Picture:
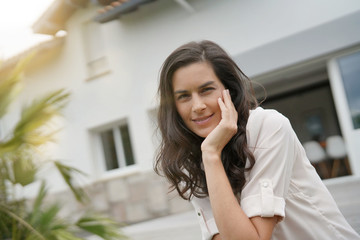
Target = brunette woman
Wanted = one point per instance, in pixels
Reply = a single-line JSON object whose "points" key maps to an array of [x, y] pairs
{"points": [[241, 166]]}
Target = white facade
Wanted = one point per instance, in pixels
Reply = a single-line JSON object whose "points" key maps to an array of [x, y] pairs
{"points": [[267, 38]]}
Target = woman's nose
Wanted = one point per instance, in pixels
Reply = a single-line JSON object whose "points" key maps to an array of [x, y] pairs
{"points": [[198, 104]]}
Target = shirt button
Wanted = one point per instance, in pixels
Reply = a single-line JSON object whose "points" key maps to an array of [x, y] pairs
{"points": [[199, 214], [265, 184]]}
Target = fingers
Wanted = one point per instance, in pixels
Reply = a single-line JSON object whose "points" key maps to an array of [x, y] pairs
{"points": [[221, 104], [227, 97], [228, 102], [225, 102], [227, 107]]}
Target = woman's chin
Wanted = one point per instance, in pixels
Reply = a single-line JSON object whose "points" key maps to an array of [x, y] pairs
{"points": [[202, 134]]}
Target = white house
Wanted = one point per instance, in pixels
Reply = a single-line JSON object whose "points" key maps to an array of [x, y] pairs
{"points": [[305, 53]]}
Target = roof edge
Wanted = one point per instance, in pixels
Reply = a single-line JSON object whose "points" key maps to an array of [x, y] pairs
{"points": [[55, 17], [112, 12]]}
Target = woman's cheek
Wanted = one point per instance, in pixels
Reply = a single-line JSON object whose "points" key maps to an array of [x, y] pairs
{"points": [[182, 110]]}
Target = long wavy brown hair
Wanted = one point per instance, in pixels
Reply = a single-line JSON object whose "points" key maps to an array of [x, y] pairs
{"points": [[179, 156]]}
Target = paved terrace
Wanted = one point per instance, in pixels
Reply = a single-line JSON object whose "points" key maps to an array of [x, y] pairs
{"points": [[345, 190]]}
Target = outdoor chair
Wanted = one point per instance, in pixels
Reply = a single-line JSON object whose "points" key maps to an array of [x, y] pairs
{"points": [[336, 150], [317, 156]]}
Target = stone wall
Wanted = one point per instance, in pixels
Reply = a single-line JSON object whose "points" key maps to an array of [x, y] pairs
{"points": [[131, 199]]}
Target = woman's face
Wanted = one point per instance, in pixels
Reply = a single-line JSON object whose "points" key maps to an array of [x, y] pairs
{"points": [[196, 92]]}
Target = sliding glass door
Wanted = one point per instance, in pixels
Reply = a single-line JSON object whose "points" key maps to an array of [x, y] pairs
{"points": [[344, 75]]}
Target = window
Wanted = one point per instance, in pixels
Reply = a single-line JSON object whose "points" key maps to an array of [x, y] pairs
{"points": [[94, 47], [350, 72], [116, 147]]}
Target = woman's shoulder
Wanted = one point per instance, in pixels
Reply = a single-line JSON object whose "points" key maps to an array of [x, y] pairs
{"points": [[267, 121], [270, 117]]}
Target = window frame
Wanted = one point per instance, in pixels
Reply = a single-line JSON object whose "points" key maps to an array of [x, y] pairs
{"points": [[98, 151]]}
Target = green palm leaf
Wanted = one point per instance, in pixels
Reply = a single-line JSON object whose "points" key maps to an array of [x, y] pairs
{"points": [[67, 173], [46, 220], [9, 88], [40, 112], [9, 85], [38, 201], [30, 129], [61, 234], [100, 226], [20, 220]]}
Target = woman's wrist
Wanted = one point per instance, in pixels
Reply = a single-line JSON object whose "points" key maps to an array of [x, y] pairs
{"points": [[211, 156]]}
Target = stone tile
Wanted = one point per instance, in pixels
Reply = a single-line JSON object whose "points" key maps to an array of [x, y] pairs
{"points": [[346, 193], [117, 190], [133, 179], [98, 198], [158, 203], [118, 212], [136, 212], [137, 186]]}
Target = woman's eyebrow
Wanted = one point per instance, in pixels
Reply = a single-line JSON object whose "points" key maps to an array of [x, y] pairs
{"points": [[180, 91], [206, 84], [201, 86]]}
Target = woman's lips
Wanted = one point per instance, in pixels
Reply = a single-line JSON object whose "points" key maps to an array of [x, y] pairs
{"points": [[202, 120]]}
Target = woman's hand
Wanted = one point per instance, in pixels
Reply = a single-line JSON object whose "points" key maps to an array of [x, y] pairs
{"points": [[225, 130]]}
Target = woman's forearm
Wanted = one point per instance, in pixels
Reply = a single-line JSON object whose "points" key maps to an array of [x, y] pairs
{"points": [[230, 219]]}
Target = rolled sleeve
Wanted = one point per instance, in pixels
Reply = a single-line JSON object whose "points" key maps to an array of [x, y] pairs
{"points": [[264, 204], [205, 217], [271, 139]]}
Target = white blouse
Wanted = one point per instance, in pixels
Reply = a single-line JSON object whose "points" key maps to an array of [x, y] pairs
{"points": [[282, 183]]}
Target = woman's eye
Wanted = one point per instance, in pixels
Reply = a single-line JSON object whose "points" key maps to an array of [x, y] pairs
{"points": [[182, 96], [207, 89]]}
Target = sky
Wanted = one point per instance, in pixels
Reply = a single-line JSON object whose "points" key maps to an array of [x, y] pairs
{"points": [[16, 19]]}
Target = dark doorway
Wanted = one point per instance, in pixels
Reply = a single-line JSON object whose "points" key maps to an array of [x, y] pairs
{"points": [[312, 114], [310, 109]]}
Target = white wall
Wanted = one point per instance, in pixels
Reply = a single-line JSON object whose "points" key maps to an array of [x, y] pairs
{"points": [[136, 46]]}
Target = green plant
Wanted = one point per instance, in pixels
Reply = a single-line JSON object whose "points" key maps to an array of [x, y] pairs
{"points": [[19, 167]]}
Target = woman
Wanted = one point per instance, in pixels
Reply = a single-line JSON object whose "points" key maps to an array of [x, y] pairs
{"points": [[241, 166]]}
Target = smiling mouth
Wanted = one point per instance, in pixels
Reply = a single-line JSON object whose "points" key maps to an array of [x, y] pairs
{"points": [[202, 120]]}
